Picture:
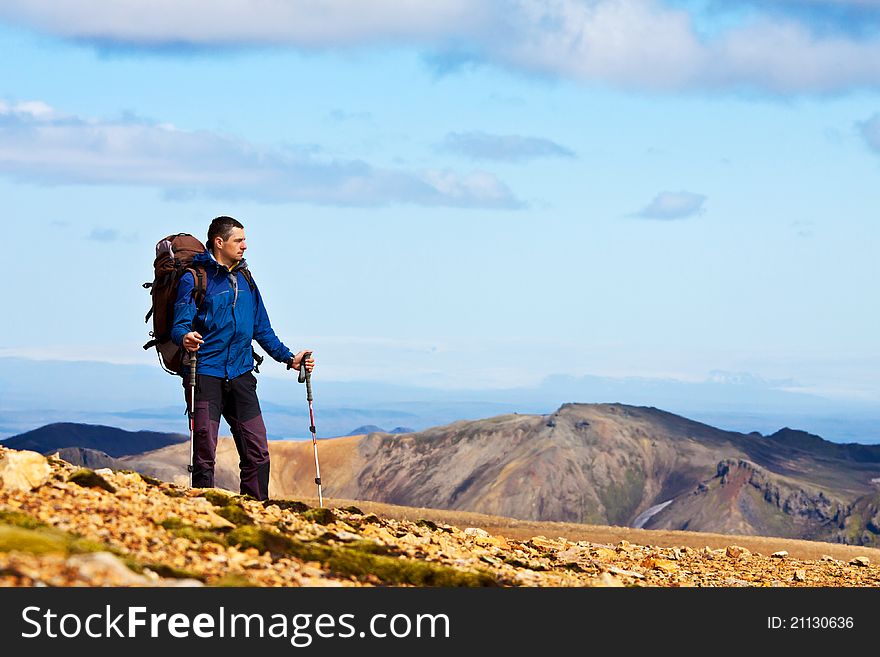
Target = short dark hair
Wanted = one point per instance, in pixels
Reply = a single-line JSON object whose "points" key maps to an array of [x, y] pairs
{"points": [[222, 227]]}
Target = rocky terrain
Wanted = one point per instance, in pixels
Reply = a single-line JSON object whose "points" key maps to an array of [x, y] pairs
{"points": [[64, 525], [606, 464]]}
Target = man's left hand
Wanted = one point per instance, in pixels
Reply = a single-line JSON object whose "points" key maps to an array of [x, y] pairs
{"points": [[297, 361]]}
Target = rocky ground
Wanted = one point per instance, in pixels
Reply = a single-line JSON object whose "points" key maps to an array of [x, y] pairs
{"points": [[61, 525]]}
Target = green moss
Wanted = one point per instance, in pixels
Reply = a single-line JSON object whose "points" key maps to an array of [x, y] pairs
{"points": [[173, 492], [199, 535], [147, 478], [231, 581], [216, 497], [359, 561], [171, 572], [352, 509], [90, 479], [262, 540], [20, 519], [172, 522], [235, 514], [45, 540], [18, 539], [291, 505], [427, 523], [320, 515], [84, 545]]}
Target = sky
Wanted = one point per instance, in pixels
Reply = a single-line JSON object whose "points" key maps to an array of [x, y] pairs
{"points": [[459, 195]]}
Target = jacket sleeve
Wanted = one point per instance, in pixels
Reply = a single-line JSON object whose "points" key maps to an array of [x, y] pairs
{"points": [[184, 309], [263, 333]]}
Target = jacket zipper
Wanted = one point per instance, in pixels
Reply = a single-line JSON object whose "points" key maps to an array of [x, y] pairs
{"points": [[233, 278]]}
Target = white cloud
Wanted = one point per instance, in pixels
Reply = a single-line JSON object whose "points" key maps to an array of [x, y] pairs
{"points": [[673, 205], [305, 23], [480, 145], [40, 145], [775, 47]]}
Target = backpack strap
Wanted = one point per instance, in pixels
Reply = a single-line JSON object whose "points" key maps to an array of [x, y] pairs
{"points": [[200, 286], [249, 278]]}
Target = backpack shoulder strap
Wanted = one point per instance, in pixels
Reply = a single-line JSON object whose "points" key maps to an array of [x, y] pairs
{"points": [[249, 278], [200, 284]]}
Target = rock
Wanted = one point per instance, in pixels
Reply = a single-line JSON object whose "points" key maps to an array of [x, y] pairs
{"points": [[782, 554], [827, 557], [542, 542], [606, 580], [476, 531], [860, 561], [656, 563], [23, 471], [627, 573], [210, 520], [496, 541], [800, 575], [736, 552], [606, 554], [624, 546], [105, 567], [572, 554]]}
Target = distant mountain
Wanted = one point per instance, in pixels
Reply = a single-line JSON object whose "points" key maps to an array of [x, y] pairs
{"points": [[365, 429], [372, 428], [607, 464], [89, 458], [110, 440]]}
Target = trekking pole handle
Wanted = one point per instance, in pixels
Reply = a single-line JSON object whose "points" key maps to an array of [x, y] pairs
{"points": [[304, 376], [192, 368]]}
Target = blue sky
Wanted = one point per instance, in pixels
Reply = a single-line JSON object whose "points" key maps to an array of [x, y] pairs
{"points": [[462, 194]]}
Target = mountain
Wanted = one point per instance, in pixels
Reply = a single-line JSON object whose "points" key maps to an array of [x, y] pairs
{"points": [[588, 463], [372, 428], [110, 440], [364, 429]]}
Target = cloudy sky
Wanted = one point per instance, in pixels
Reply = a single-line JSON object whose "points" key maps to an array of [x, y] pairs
{"points": [[471, 193]]}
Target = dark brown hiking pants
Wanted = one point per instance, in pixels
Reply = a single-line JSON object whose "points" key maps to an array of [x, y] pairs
{"points": [[236, 400]]}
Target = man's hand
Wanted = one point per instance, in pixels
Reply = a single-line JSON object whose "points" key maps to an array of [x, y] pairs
{"points": [[297, 361], [192, 341]]}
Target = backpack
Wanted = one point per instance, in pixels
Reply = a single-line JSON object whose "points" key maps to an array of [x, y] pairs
{"points": [[174, 255]]}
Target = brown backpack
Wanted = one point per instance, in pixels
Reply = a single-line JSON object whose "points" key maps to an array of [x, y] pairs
{"points": [[174, 255]]}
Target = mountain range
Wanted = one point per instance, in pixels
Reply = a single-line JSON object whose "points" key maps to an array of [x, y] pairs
{"points": [[608, 464]]}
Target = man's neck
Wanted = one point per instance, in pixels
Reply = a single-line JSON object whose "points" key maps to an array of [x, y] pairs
{"points": [[229, 264]]}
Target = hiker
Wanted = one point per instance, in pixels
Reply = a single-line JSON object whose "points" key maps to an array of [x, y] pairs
{"points": [[220, 329]]}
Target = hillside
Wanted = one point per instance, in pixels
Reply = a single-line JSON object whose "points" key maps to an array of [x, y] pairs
{"points": [[110, 440], [61, 525], [605, 464]]}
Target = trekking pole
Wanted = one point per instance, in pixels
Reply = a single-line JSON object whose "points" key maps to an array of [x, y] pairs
{"points": [[192, 413], [304, 376]]}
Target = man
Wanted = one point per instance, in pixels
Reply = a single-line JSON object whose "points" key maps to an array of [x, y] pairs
{"points": [[221, 330]]}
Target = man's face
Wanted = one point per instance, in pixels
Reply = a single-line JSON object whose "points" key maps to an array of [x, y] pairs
{"points": [[232, 249]]}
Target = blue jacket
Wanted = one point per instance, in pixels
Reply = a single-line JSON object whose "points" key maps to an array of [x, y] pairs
{"points": [[230, 317]]}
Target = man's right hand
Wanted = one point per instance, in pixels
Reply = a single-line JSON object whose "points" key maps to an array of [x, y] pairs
{"points": [[192, 341]]}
